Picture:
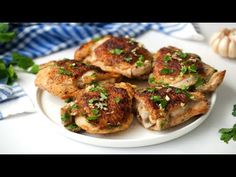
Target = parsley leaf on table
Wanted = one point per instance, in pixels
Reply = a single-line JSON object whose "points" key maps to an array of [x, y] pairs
{"points": [[5, 35], [234, 111], [229, 133]]}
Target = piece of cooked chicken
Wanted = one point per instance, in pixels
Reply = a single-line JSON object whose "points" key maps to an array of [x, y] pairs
{"points": [[159, 108], [174, 67], [101, 108], [116, 54], [63, 78]]}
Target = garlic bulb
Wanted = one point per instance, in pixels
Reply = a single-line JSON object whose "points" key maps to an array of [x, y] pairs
{"points": [[224, 43]]}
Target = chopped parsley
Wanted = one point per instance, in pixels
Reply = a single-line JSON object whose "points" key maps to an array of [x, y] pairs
{"points": [[64, 71], [192, 68], [166, 71], [92, 118], [177, 90], [160, 101], [68, 100], [234, 111], [95, 112], [116, 51], [117, 99], [91, 101], [140, 61], [73, 127], [103, 96], [156, 98], [183, 69], [96, 39], [74, 106], [181, 54], [167, 58], [151, 79], [97, 88], [66, 116], [151, 90], [128, 59], [200, 81], [95, 115]]}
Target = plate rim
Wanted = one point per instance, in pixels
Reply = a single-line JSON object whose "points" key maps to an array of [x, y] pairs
{"points": [[126, 143]]}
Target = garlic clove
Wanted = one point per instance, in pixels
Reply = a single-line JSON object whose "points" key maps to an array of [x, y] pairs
{"points": [[215, 45], [223, 46], [214, 37], [232, 49]]}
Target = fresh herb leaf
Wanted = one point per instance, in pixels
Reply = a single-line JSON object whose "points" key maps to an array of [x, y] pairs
{"points": [[184, 87], [183, 69], [151, 79], [95, 112], [22, 61], [117, 99], [66, 116], [151, 90], [5, 35], [234, 111], [91, 101], [34, 69], [74, 106], [192, 68], [140, 61], [128, 59], [4, 27], [7, 74], [163, 103], [228, 133], [73, 127], [167, 58], [116, 51], [103, 96], [68, 100], [92, 118], [156, 98], [181, 54], [178, 91], [200, 81], [96, 39], [64, 71], [166, 71], [141, 58]]}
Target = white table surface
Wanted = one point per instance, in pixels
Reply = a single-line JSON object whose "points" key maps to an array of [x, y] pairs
{"points": [[29, 133]]}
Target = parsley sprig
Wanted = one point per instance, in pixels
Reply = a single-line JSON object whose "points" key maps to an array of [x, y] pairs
{"points": [[228, 134]]}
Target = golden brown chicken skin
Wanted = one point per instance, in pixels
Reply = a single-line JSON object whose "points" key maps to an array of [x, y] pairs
{"points": [[159, 108], [101, 109], [64, 77], [116, 54], [174, 67]]}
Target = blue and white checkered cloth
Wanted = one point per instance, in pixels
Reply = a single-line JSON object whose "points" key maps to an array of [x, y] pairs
{"points": [[40, 39]]}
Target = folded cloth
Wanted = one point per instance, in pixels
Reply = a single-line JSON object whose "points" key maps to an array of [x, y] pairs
{"points": [[40, 39], [14, 100]]}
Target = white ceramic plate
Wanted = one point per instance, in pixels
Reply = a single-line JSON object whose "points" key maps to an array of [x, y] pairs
{"points": [[135, 136]]}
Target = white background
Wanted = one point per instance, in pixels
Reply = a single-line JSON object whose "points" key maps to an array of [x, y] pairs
{"points": [[29, 133]]}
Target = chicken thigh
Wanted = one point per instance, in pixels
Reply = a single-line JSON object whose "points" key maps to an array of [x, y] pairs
{"points": [[115, 54]]}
